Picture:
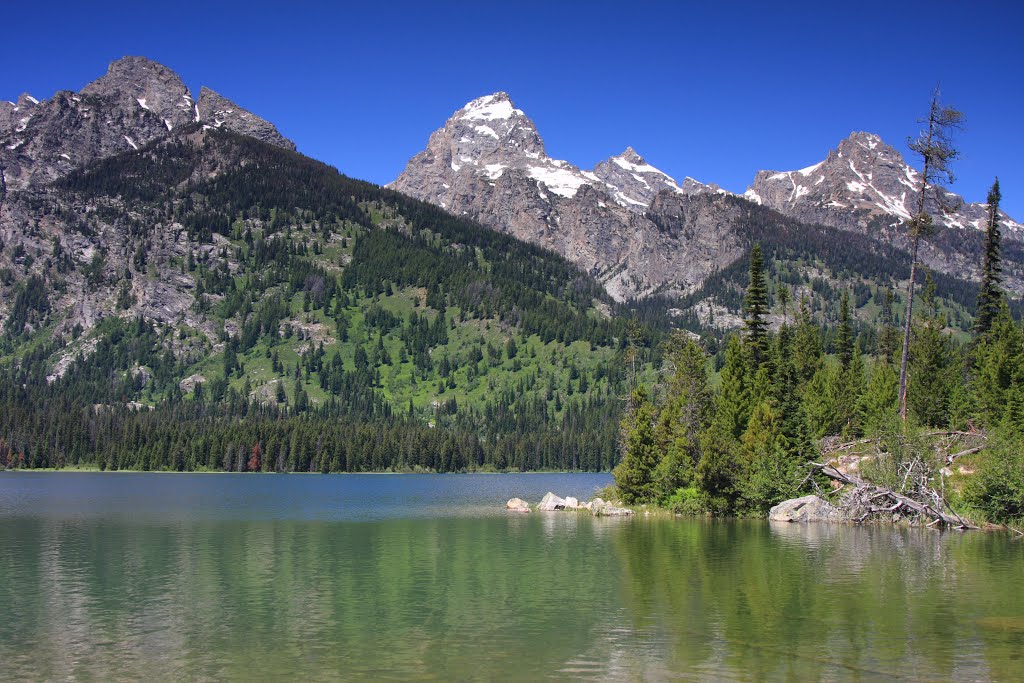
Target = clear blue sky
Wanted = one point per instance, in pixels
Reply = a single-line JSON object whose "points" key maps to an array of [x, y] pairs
{"points": [[715, 91]]}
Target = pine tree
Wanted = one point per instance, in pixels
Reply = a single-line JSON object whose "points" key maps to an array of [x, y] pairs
{"points": [[806, 348], [848, 395], [684, 414], [934, 146], [732, 409], [844, 333], [755, 308], [931, 363], [990, 295], [880, 399], [634, 476], [785, 296], [888, 337], [769, 466], [998, 363]]}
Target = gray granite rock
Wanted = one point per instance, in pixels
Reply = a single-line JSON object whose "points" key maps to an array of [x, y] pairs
{"points": [[806, 509], [217, 111]]}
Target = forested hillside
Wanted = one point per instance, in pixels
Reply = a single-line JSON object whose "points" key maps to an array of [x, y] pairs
{"points": [[212, 301]]}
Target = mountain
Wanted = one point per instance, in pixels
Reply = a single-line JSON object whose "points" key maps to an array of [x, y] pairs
{"points": [[136, 102], [488, 162], [863, 182], [642, 234], [201, 287], [864, 185]]}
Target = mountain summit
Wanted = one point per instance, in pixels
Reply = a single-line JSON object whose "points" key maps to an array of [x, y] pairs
{"points": [[488, 162], [135, 102], [862, 183], [642, 233]]}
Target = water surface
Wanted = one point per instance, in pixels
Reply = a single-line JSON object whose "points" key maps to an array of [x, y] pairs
{"points": [[425, 577]]}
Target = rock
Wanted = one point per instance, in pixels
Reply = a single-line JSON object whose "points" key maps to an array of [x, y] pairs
{"points": [[517, 505], [189, 383], [489, 162], [551, 502], [807, 509], [571, 502], [864, 185], [137, 101], [217, 111], [602, 508]]}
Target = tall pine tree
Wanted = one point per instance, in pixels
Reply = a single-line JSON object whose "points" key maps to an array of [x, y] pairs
{"points": [[755, 309], [991, 272]]}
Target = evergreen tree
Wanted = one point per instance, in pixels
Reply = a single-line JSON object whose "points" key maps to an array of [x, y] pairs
{"points": [[931, 363], [732, 409], [769, 468], [821, 401], [880, 400], [844, 333], [990, 294], [806, 349], [634, 476], [888, 337], [785, 296], [684, 414], [755, 308], [850, 390], [998, 365]]}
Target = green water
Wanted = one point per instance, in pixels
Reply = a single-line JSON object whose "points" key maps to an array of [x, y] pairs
{"points": [[139, 577]]}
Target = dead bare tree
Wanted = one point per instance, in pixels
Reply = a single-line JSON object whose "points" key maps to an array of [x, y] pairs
{"points": [[935, 148]]}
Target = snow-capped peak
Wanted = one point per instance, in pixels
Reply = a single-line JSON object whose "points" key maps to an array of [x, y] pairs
{"points": [[862, 176], [489, 108], [634, 163]]}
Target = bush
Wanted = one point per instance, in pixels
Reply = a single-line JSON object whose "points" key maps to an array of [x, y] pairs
{"points": [[689, 501], [997, 487]]}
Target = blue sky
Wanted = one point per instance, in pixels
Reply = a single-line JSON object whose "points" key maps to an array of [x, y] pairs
{"points": [[713, 92]]}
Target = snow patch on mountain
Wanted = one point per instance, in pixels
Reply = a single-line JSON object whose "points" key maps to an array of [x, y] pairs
{"points": [[489, 108]]}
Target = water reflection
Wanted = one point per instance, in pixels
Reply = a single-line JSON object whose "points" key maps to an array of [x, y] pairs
{"points": [[514, 597]]}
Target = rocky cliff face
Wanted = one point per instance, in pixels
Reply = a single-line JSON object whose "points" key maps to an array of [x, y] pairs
{"points": [[858, 183], [864, 185], [631, 224], [489, 162], [136, 102], [218, 111]]}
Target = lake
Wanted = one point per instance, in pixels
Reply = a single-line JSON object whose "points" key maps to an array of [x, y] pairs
{"points": [[123, 576]]}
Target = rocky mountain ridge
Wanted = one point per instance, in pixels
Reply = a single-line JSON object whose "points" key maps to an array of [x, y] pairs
{"points": [[864, 181], [488, 162], [136, 102]]}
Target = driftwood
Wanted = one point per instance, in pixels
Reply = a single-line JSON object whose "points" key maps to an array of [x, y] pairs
{"points": [[828, 448], [898, 502], [953, 456]]}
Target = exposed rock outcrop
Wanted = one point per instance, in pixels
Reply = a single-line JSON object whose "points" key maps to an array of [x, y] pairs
{"points": [[217, 111], [136, 102], [626, 222], [864, 185], [517, 505], [550, 502], [806, 509]]}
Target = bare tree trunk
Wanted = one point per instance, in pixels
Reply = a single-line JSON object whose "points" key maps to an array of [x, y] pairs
{"points": [[906, 333]]}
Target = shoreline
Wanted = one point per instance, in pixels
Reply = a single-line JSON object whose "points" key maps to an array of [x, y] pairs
{"points": [[96, 470]]}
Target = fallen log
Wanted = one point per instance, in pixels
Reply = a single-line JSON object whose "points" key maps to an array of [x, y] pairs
{"points": [[950, 458], [898, 500]]}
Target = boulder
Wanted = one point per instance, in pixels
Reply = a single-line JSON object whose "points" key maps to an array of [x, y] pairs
{"points": [[517, 505], [551, 502], [571, 503], [807, 509], [602, 508]]}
